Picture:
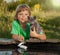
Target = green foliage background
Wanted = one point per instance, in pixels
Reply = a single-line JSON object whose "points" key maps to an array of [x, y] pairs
{"points": [[47, 16]]}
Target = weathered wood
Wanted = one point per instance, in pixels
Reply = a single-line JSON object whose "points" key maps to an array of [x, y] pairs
{"points": [[47, 40], [7, 41], [11, 41]]}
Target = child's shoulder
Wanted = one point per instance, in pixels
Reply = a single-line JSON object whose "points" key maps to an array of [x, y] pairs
{"points": [[15, 22]]}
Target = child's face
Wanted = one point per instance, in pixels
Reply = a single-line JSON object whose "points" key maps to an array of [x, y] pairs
{"points": [[23, 16]]}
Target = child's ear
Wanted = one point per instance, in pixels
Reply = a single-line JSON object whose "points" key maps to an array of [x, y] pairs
{"points": [[34, 17]]}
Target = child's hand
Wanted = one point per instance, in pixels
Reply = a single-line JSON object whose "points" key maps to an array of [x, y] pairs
{"points": [[21, 38], [33, 33]]}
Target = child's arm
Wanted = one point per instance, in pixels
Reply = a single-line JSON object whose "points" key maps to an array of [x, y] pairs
{"points": [[39, 36], [17, 38]]}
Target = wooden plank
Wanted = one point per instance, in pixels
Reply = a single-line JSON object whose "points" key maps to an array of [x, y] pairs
{"points": [[11, 41], [7, 41], [47, 40]]}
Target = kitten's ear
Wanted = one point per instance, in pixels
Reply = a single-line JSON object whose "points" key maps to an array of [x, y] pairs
{"points": [[34, 17]]}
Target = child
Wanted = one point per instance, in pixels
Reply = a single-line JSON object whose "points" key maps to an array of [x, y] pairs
{"points": [[21, 27]]}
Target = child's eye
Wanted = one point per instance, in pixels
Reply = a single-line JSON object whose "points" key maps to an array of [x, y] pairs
{"points": [[20, 14], [26, 14]]}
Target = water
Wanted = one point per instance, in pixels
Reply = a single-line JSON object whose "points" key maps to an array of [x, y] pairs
{"points": [[5, 52], [14, 52], [33, 49]]}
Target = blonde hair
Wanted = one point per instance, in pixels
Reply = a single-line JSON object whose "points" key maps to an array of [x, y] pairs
{"points": [[22, 7]]}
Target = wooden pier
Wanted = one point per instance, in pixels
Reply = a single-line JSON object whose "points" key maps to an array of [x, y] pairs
{"points": [[5, 41], [34, 45]]}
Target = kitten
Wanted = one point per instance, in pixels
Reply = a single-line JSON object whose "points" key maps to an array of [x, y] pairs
{"points": [[34, 23]]}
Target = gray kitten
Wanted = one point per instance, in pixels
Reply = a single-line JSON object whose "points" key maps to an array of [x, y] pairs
{"points": [[34, 23]]}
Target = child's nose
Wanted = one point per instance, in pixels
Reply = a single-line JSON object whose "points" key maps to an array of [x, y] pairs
{"points": [[23, 15]]}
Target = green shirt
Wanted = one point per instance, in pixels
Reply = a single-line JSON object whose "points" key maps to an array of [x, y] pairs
{"points": [[17, 29]]}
